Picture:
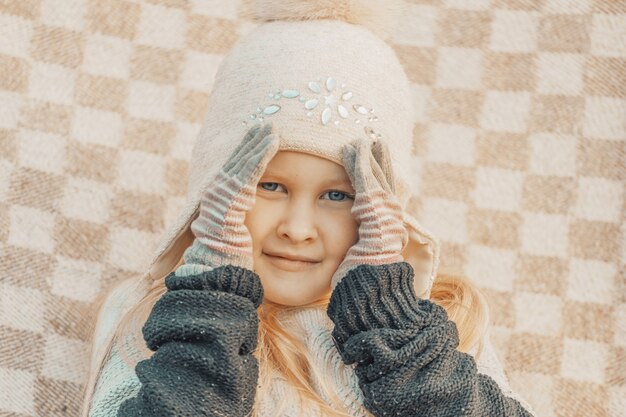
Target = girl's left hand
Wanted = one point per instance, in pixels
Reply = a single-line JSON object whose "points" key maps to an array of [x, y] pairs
{"points": [[382, 234]]}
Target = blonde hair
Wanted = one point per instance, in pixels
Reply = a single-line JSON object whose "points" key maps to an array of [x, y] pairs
{"points": [[278, 350]]}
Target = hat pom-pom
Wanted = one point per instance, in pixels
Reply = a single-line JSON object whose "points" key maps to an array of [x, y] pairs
{"points": [[379, 16]]}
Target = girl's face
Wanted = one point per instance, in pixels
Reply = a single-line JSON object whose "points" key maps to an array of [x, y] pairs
{"points": [[301, 226]]}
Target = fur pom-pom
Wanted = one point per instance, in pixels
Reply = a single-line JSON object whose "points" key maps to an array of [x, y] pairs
{"points": [[379, 16]]}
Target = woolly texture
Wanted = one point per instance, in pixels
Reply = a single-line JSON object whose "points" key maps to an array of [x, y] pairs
{"points": [[390, 291], [525, 161], [227, 278], [204, 328], [378, 213], [405, 352], [379, 16], [221, 237], [322, 84], [203, 332]]}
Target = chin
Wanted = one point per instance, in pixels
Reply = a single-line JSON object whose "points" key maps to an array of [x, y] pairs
{"points": [[292, 288], [291, 293], [279, 297]]}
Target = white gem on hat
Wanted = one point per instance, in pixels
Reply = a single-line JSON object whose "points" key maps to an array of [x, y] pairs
{"points": [[315, 87], [271, 109], [333, 102], [291, 93]]}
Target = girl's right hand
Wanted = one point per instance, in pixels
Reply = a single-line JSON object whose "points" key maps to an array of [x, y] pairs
{"points": [[221, 236]]}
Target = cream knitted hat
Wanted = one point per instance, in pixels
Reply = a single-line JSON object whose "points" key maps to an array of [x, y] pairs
{"points": [[322, 74]]}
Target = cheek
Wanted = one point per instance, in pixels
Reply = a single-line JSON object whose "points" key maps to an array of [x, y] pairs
{"points": [[258, 220], [341, 233]]}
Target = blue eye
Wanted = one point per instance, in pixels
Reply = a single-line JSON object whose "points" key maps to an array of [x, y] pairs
{"points": [[338, 196], [332, 195], [272, 186]]}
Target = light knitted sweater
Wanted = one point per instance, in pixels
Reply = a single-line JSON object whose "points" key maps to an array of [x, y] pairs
{"points": [[118, 382]]}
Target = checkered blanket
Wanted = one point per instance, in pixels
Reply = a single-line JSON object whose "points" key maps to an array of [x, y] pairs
{"points": [[520, 130]]}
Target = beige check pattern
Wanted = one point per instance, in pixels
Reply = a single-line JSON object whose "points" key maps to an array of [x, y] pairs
{"points": [[520, 130]]}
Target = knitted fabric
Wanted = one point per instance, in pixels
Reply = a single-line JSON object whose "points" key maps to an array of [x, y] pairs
{"points": [[203, 331], [377, 211], [221, 237], [405, 352], [216, 378], [294, 74]]}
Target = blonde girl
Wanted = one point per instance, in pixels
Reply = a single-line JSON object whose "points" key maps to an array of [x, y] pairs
{"points": [[295, 281]]}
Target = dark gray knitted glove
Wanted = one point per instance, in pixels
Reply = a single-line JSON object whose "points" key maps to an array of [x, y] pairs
{"points": [[405, 350], [203, 332]]}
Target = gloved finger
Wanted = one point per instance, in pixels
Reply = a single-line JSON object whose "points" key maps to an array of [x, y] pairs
{"points": [[257, 160], [368, 174], [263, 143], [349, 162], [235, 155], [380, 150], [253, 136]]}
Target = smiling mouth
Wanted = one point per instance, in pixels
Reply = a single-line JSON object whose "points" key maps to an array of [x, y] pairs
{"points": [[289, 264]]}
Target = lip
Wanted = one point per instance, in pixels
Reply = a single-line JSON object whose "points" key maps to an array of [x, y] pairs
{"points": [[291, 257], [290, 264]]}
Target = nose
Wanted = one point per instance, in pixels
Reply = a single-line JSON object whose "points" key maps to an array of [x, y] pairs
{"points": [[297, 224]]}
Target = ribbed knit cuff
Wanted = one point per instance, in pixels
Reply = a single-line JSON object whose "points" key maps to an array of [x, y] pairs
{"points": [[228, 278], [199, 253], [379, 296]]}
